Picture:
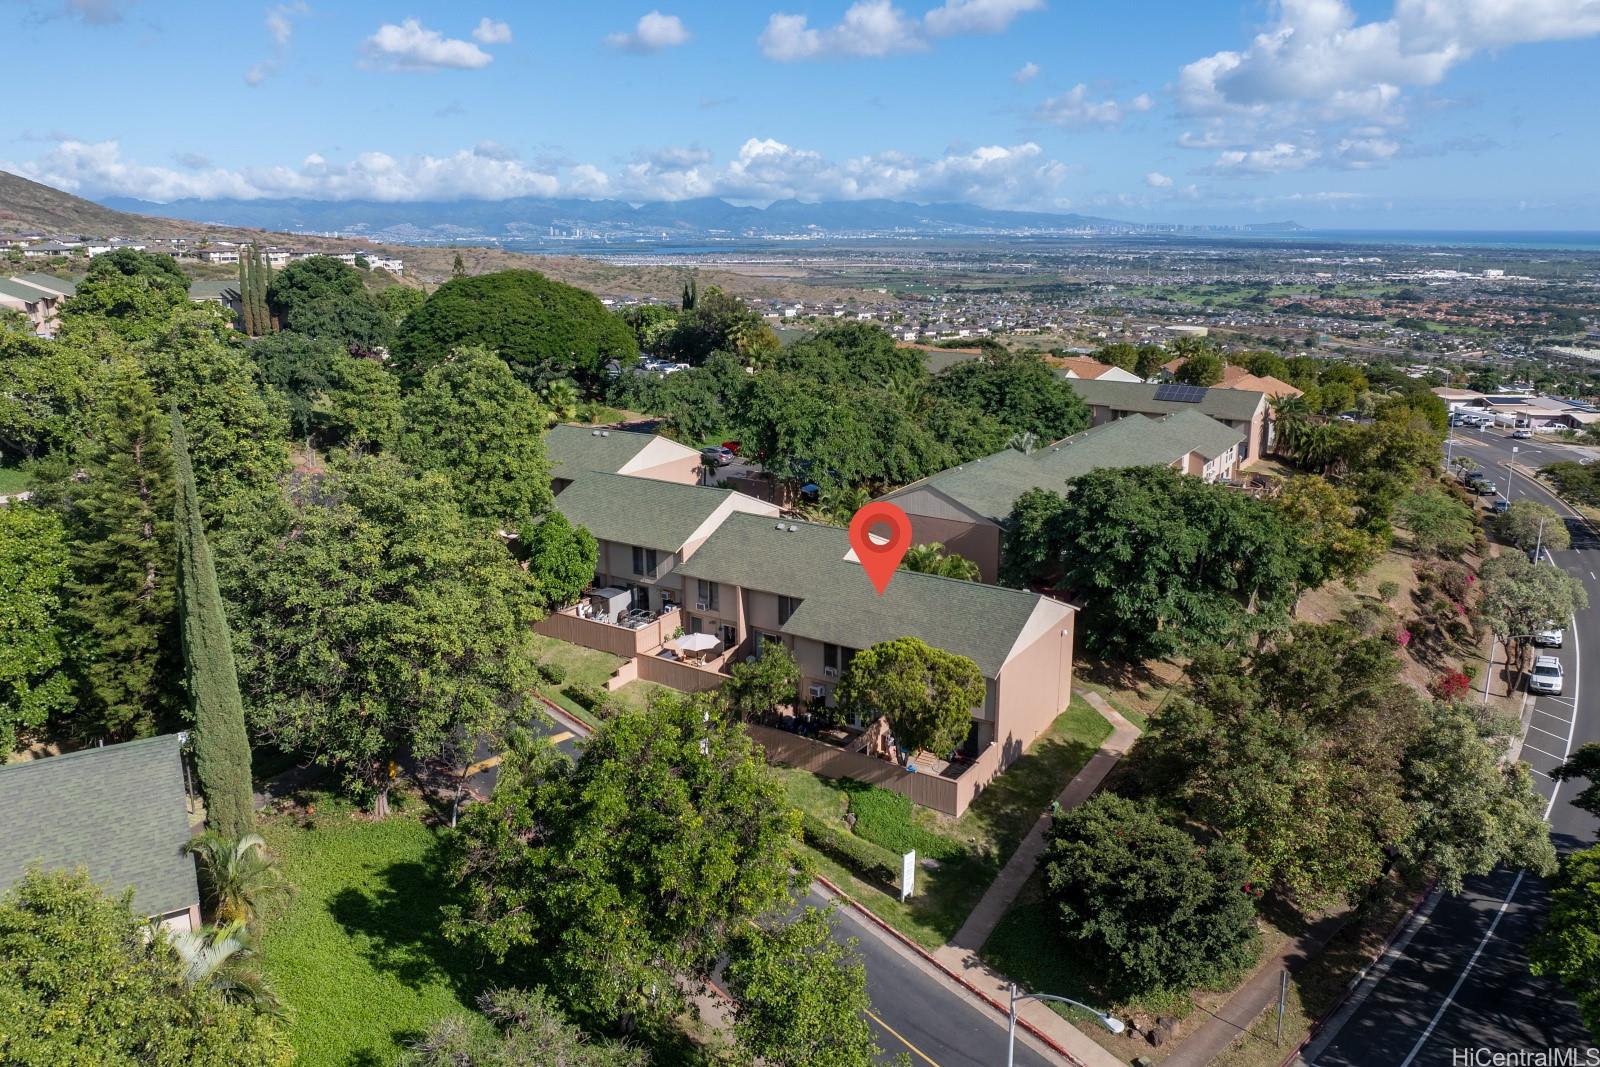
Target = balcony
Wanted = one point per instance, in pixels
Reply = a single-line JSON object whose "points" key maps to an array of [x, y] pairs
{"points": [[621, 634]]}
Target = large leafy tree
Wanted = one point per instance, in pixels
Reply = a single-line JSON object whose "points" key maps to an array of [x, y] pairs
{"points": [[1584, 763], [131, 293], [1521, 598], [1294, 753], [115, 496], [83, 981], [1439, 523], [715, 321], [800, 997], [631, 869], [561, 558], [1471, 810], [1157, 910], [542, 328], [1021, 392], [221, 749], [471, 418], [300, 368], [376, 621], [1568, 948], [324, 298], [1326, 520], [1528, 523], [1164, 563], [35, 686], [49, 388], [927, 694], [1202, 368], [756, 688]]}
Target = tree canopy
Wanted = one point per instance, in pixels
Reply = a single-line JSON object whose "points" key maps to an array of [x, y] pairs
{"points": [[1568, 948], [321, 297], [83, 981], [619, 874], [561, 559], [1022, 393], [927, 694], [376, 621], [1164, 563], [35, 683], [471, 418], [542, 328], [1154, 908]]}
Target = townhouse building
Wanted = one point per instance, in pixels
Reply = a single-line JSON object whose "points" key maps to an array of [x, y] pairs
{"points": [[1247, 410]]}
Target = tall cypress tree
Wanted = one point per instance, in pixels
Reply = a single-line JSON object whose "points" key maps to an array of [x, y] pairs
{"points": [[263, 278], [221, 749], [247, 311]]}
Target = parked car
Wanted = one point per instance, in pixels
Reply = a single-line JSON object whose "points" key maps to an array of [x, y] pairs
{"points": [[1485, 487], [1523, 434], [716, 455], [1501, 505], [731, 446], [1547, 676], [1552, 636]]}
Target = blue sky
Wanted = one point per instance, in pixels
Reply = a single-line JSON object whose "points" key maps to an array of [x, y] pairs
{"points": [[1393, 114]]}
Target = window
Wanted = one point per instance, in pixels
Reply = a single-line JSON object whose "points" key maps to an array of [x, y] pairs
{"points": [[837, 658], [694, 624], [786, 608], [707, 593], [644, 561]]}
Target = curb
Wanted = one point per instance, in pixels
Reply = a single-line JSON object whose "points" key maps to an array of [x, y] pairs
{"points": [[923, 953], [1355, 983]]}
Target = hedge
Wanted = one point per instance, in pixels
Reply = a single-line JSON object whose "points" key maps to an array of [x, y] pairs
{"points": [[552, 672], [866, 859], [885, 819]]}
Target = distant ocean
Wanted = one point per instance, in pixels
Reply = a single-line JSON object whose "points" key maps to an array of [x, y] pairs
{"points": [[1566, 240]]}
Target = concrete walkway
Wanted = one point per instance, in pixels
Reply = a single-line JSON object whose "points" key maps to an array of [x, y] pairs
{"points": [[961, 954], [1003, 891]]}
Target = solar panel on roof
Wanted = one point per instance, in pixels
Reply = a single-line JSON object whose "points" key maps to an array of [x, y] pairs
{"points": [[1181, 394]]}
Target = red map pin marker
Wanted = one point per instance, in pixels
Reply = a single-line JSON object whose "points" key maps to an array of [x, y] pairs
{"points": [[880, 560]]}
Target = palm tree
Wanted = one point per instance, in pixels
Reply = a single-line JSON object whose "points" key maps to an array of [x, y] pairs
{"points": [[211, 960], [932, 559], [561, 398], [1290, 415], [239, 875]]}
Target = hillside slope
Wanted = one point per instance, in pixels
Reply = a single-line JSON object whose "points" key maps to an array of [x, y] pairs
{"points": [[27, 206]]}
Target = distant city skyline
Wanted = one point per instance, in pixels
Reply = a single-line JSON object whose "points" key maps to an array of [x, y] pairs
{"points": [[1391, 114]]}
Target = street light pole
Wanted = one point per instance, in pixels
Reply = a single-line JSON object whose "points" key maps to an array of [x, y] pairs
{"points": [[1111, 1023]]}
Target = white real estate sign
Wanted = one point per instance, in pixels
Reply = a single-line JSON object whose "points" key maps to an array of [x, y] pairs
{"points": [[908, 874]]}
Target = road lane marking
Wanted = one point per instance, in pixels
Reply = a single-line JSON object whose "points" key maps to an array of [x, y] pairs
{"points": [[1555, 791], [1547, 733], [1550, 714], [557, 738], [1541, 751], [899, 1037], [481, 766]]}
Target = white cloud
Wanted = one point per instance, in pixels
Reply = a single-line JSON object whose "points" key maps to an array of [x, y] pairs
{"points": [[763, 169], [1317, 51], [872, 28], [976, 16], [280, 27], [412, 46], [1026, 73], [652, 33], [1076, 107], [1272, 159], [869, 28], [488, 31], [1156, 180], [95, 12]]}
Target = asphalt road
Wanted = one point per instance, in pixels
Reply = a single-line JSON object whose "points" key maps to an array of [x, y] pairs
{"points": [[1462, 983], [914, 1013]]}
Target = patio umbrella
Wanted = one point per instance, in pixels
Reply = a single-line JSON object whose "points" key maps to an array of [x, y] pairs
{"points": [[697, 642]]}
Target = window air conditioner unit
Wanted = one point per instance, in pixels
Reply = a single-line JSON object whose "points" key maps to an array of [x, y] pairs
{"points": [[830, 672], [699, 605], [818, 692]]}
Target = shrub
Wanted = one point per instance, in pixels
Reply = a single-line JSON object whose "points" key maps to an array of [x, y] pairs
{"points": [[1451, 685], [554, 673], [1388, 590], [885, 818], [588, 697], [870, 861]]}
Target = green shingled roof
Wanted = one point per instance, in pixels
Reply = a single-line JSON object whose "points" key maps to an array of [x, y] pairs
{"points": [[638, 511], [575, 450], [22, 291], [48, 281], [990, 486], [118, 811], [1237, 405], [839, 604]]}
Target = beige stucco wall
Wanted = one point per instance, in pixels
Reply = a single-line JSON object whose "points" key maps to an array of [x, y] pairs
{"points": [[615, 564], [978, 540], [682, 471], [1034, 687]]}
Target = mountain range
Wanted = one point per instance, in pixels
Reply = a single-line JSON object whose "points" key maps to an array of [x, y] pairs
{"points": [[534, 218]]}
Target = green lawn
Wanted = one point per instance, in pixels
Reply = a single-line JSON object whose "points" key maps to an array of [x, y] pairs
{"points": [[356, 955], [979, 842], [12, 481], [586, 666]]}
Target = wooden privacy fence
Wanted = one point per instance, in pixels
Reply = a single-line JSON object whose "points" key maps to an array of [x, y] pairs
{"points": [[949, 796]]}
